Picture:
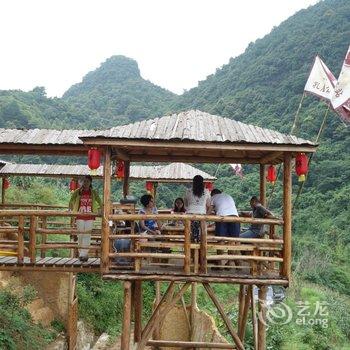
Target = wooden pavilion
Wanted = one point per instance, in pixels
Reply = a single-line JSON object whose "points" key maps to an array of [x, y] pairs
{"points": [[192, 136]]}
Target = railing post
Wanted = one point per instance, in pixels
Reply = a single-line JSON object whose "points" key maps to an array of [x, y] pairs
{"points": [[187, 247], [262, 184], [106, 210], [287, 216], [43, 236], [32, 238], [203, 248], [20, 239]]}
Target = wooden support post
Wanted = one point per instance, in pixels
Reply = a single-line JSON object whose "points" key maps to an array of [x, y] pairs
{"points": [[32, 238], [106, 210], [126, 178], [241, 296], [138, 311], [125, 337], [3, 190], [222, 312], [203, 248], [262, 318], [263, 184], [72, 326], [156, 333], [287, 216], [187, 247], [43, 235], [20, 251], [193, 307], [241, 332], [254, 319]]}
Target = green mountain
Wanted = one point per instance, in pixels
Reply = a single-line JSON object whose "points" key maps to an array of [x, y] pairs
{"points": [[115, 93]]}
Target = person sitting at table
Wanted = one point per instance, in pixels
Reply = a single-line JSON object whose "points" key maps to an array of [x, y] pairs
{"points": [[258, 212], [179, 206], [150, 226], [197, 201], [224, 205]]}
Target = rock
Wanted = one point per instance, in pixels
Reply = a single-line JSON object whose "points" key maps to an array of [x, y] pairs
{"points": [[59, 344], [85, 337], [102, 342]]}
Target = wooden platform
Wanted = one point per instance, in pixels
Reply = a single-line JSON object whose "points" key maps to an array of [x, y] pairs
{"points": [[50, 264]]}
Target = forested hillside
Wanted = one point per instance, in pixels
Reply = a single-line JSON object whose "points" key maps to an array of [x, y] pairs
{"points": [[262, 86]]}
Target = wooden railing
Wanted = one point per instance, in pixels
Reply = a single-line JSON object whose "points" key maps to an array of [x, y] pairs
{"points": [[173, 253], [31, 235]]}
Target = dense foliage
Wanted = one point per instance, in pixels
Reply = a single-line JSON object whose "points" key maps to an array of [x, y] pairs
{"points": [[262, 86]]}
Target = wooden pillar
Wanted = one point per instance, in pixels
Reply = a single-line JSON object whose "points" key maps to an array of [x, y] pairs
{"points": [[3, 190], [138, 311], [20, 251], [193, 308], [287, 216], [156, 333], [72, 324], [243, 324], [106, 210], [126, 178], [203, 248], [263, 184], [262, 318], [187, 247], [254, 319], [125, 337], [241, 297], [32, 238]]}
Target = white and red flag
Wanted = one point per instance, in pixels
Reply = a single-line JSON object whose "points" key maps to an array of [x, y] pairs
{"points": [[237, 169], [321, 81], [341, 96]]}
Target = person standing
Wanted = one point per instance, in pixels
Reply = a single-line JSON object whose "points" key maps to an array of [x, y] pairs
{"points": [[197, 201], [224, 205], [85, 200]]}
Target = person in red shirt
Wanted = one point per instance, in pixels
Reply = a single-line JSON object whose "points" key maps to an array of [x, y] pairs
{"points": [[85, 200]]}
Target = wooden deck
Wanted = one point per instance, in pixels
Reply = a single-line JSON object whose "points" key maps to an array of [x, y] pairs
{"points": [[50, 264]]}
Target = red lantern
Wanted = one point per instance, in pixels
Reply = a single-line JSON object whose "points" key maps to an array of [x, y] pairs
{"points": [[120, 169], [301, 166], [73, 185], [94, 158], [6, 183], [209, 186], [149, 186], [271, 174]]}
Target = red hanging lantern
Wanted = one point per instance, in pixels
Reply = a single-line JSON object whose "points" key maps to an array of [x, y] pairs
{"points": [[6, 183], [209, 186], [271, 174], [94, 159], [73, 185], [149, 186], [301, 166], [120, 169]]}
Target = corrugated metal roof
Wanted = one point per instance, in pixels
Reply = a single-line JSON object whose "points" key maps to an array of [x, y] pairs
{"points": [[195, 125], [173, 171]]}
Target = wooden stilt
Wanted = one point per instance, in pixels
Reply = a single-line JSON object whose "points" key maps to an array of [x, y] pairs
{"points": [[203, 248], [156, 333], [226, 320], [242, 329], [254, 319], [241, 297], [72, 325], [187, 247], [138, 311], [262, 318], [125, 337], [193, 308]]}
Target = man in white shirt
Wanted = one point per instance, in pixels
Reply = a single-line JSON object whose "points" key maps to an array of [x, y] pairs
{"points": [[224, 205]]}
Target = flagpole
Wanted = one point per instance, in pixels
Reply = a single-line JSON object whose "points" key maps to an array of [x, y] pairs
{"points": [[297, 114], [320, 131]]}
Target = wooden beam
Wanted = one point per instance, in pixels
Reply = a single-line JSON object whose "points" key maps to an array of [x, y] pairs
{"points": [[188, 344], [287, 216], [263, 184], [125, 336], [138, 311], [270, 157], [262, 318], [106, 210], [220, 146], [126, 179], [222, 312]]}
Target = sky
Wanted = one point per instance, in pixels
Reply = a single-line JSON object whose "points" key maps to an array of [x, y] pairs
{"points": [[175, 42]]}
